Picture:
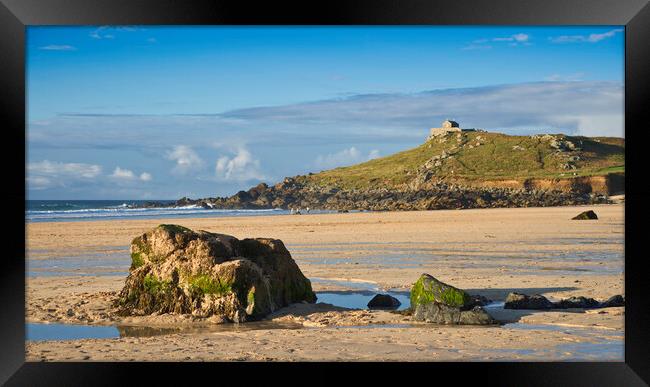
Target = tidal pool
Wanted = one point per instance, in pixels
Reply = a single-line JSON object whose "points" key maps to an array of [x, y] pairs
{"points": [[359, 299], [42, 332]]}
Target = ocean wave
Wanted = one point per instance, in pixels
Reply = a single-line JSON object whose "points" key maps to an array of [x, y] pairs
{"points": [[113, 209], [99, 213]]}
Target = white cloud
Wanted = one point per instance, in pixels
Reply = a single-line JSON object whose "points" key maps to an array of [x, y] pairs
{"points": [[591, 38], [108, 32], [566, 78], [477, 47], [361, 120], [56, 169], [240, 167], [514, 40], [187, 160], [38, 182], [58, 47], [345, 157], [520, 37], [98, 33], [123, 174], [516, 108], [46, 174]]}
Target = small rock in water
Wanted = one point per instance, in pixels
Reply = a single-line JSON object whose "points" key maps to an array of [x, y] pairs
{"points": [[586, 215], [522, 301], [384, 301], [577, 302], [539, 302]]}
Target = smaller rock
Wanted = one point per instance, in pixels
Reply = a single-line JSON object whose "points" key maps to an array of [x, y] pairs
{"points": [[587, 215], [613, 301], [522, 301], [577, 302], [384, 301]]}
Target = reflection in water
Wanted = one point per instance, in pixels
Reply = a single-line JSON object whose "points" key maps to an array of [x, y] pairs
{"points": [[359, 299], [363, 285], [109, 263], [146, 331], [40, 332], [601, 344]]}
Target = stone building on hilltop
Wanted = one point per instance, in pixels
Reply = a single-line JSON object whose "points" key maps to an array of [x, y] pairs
{"points": [[448, 126]]}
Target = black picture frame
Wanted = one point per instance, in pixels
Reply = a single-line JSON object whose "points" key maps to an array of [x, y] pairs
{"points": [[15, 15]]}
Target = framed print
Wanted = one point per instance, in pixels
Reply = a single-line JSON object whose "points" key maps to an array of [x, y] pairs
{"points": [[429, 185]]}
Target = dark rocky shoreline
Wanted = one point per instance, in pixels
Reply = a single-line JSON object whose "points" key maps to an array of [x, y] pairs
{"points": [[291, 194]]}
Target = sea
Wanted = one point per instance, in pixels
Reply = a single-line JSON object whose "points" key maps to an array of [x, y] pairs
{"points": [[83, 210]]}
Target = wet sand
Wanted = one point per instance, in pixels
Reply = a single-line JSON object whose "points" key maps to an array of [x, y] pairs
{"points": [[76, 268]]}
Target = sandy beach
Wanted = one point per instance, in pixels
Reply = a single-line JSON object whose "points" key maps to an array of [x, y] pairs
{"points": [[75, 270]]}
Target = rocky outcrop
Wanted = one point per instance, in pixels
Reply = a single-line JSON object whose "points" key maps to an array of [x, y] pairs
{"points": [[539, 302], [586, 215], [436, 302], [177, 270], [454, 171], [292, 193], [384, 301]]}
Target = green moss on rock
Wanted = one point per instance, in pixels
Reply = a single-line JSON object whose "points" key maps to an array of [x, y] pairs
{"points": [[427, 289], [140, 245], [154, 286], [136, 260], [174, 228], [208, 285], [250, 297]]}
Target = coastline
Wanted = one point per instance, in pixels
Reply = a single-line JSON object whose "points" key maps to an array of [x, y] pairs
{"points": [[485, 251]]}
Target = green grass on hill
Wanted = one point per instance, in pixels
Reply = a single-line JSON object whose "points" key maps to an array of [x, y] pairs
{"points": [[497, 156]]}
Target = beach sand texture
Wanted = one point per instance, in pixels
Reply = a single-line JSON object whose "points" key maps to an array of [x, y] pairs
{"points": [[76, 268]]}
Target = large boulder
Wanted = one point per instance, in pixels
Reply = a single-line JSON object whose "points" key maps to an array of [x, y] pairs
{"points": [[434, 301], [177, 270]]}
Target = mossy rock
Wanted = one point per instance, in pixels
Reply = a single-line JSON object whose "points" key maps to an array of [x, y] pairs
{"points": [[177, 270], [428, 290], [435, 302]]}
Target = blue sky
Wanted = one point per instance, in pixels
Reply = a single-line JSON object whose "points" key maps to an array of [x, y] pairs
{"points": [[164, 112]]}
